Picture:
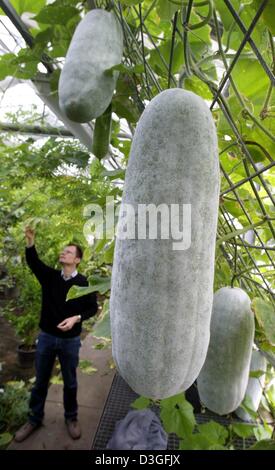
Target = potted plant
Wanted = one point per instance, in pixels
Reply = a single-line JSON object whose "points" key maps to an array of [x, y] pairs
{"points": [[23, 314], [26, 329], [25, 325]]}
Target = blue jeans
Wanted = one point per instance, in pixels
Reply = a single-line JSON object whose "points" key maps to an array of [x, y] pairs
{"points": [[48, 348]]}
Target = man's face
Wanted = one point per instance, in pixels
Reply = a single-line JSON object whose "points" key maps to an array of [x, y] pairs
{"points": [[68, 256]]}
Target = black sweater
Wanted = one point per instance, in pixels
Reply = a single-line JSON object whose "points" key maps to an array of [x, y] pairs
{"points": [[54, 307]]}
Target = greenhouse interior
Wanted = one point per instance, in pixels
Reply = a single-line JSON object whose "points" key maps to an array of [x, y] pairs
{"points": [[164, 337]]}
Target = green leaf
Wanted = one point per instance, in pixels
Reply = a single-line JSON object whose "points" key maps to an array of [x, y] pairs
{"points": [[248, 407], [217, 447], [268, 14], [224, 13], [197, 86], [102, 328], [199, 442], [166, 9], [173, 401], [265, 444], [20, 66], [270, 395], [54, 14], [161, 66], [257, 152], [177, 415], [30, 6], [5, 438], [243, 430], [265, 315], [86, 367], [194, 442], [256, 374], [77, 291], [200, 42], [263, 431], [97, 284], [214, 432], [103, 284], [43, 37], [233, 207], [251, 80], [125, 108], [141, 403]]}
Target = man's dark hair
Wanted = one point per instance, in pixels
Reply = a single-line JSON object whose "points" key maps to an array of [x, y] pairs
{"points": [[79, 251]]}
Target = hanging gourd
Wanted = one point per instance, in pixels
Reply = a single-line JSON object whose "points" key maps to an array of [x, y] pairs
{"points": [[161, 295], [86, 84], [223, 379]]}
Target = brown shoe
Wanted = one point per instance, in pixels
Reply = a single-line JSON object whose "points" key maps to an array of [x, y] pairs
{"points": [[73, 429], [25, 431]]}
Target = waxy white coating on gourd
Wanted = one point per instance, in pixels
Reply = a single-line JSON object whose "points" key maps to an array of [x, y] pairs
{"points": [[161, 299], [255, 385], [85, 90], [223, 379]]}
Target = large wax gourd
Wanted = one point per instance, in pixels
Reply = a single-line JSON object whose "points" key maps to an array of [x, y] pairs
{"points": [[161, 298], [85, 89], [223, 379]]}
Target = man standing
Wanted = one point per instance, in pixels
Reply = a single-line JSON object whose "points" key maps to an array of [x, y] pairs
{"points": [[60, 325]]}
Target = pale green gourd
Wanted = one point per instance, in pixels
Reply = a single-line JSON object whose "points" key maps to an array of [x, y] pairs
{"points": [[255, 385], [223, 379], [161, 299], [86, 86]]}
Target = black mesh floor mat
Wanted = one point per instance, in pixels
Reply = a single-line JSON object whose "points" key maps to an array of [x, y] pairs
{"points": [[118, 404]]}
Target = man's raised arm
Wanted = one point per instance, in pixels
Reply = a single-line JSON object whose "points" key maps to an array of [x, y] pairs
{"points": [[40, 269]]}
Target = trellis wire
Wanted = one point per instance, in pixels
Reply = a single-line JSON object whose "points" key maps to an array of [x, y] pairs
{"points": [[243, 43], [250, 40]]}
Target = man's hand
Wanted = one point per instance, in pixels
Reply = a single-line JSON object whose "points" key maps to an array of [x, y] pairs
{"points": [[29, 234], [68, 323]]}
